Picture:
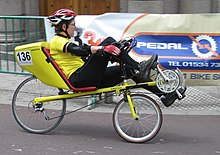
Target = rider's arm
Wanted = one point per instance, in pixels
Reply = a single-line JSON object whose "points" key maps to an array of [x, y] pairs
{"points": [[86, 50], [77, 50]]}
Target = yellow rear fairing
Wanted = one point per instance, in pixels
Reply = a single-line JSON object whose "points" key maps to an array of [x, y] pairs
{"points": [[31, 58]]}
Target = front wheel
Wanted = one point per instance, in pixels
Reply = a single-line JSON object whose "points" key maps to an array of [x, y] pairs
{"points": [[40, 117], [145, 127]]}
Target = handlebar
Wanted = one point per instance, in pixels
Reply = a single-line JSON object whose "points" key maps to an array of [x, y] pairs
{"points": [[126, 44]]}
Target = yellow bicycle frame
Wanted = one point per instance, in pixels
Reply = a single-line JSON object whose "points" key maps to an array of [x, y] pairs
{"points": [[118, 89]]}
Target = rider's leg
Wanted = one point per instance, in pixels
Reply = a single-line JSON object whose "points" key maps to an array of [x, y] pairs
{"points": [[167, 99], [123, 57], [142, 69], [112, 77], [145, 68], [94, 72], [143, 76], [91, 73]]}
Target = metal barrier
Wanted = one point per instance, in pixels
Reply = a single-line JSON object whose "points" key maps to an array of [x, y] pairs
{"points": [[14, 31]]}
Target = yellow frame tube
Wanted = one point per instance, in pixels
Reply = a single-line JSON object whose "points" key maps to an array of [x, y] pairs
{"points": [[85, 93], [133, 112]]}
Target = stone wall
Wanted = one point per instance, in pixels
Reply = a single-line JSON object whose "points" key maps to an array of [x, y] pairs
{"points": [[14, 31], [170, 6], [19, 7]]}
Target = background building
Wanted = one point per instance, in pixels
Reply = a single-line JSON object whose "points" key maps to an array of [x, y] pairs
{"points": [[46, 7]]}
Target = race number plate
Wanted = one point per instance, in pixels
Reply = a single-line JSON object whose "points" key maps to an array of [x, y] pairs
{"points": [[24, 58]]}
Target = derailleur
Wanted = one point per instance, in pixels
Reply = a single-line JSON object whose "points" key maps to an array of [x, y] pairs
{"points": [[38, 107]]}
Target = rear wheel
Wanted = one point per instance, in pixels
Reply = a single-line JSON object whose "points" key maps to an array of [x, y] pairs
{"points": [[41, 117], [145, 127]]}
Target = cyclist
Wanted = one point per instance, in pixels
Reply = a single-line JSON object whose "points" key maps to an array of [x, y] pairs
{"points": [[94, 71]]}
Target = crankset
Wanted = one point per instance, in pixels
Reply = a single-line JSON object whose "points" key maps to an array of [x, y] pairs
{"points": [[168, 80]]}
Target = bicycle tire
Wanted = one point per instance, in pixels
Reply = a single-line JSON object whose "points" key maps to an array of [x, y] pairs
{"points": [[27, 115], [146, 127]]}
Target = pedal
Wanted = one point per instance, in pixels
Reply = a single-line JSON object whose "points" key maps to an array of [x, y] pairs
{"points": [[180, 96]]}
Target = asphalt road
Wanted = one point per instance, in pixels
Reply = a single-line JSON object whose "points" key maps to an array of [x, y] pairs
{"points": [[88, 133]]}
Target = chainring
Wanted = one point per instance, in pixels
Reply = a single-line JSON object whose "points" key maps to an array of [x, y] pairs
{"points": [[169, 82]]}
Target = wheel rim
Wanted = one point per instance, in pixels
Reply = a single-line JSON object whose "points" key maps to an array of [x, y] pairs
{"points": [[143, 129], [27, 116]]}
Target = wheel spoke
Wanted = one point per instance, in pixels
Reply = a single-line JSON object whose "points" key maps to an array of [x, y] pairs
{"points": [[32, 118], [143, 129]]}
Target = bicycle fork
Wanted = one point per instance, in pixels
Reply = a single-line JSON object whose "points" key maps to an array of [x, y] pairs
{"points": [[131, 105]]}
